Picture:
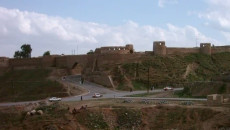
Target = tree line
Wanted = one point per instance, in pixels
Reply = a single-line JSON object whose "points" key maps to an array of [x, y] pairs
{"points": [[26, 51]]}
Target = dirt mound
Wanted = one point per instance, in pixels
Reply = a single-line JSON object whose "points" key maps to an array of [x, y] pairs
{"points": [[58, 116]]}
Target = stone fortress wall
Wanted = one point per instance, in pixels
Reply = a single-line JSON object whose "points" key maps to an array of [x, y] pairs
{"points": [[159, 48], [106, 55], [115, 49], [4, 61]]}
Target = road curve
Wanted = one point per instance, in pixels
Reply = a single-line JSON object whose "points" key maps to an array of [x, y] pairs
{"points": [[95, 88]]}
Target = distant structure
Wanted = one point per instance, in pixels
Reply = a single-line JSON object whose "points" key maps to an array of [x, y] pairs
{"points": [[215, 99], [128, 49], [104, 55], [159, 48], [89, 64]]}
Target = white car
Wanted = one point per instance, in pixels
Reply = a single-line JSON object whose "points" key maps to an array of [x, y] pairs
{"points": [[97, 95], [53, 99], [168, 88]]}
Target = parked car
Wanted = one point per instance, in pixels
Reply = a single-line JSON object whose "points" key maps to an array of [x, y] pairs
{"points": [[53, 99], [168, 88], [97, 95]]}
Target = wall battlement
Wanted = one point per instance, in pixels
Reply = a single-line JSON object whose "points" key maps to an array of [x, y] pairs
{"points": [[106, 55], [159, 48], [115, 49]]}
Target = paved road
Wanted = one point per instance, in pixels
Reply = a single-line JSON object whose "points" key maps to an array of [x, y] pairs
{"points": [[95, 88], [168, 99]]}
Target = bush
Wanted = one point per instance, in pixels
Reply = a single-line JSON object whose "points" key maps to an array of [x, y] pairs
{"points": [[128, 118]]}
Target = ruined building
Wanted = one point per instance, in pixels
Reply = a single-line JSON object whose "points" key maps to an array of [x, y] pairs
{"points": [[159, 48], [128, 49]]}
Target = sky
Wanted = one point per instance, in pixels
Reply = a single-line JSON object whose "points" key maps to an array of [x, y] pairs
{"points": [[77, 26]]}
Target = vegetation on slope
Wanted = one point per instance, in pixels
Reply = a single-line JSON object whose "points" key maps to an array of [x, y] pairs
{"points": [[57, 116], [32, 84], [172, 70]]}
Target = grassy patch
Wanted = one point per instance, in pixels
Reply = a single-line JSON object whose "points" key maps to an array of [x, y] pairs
{"points": [[128, 118], [222, 89], [142, 95], [92, 120], [53, 111], [123, 87], [180, 118], [181, 94], [138, 85], [24, 85], [10, 118], [168, 70]]}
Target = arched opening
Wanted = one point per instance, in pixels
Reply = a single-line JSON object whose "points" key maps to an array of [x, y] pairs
{"points": [[76, 68], [131, 51]]}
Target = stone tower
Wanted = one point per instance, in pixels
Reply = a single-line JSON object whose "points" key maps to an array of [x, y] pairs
{"points": [[159, 48], [129, 47], [205, 48]]}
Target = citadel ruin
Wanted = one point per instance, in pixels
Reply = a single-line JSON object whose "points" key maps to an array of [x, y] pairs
{"points": [[159, 48], [110, 55], [128, 49]]}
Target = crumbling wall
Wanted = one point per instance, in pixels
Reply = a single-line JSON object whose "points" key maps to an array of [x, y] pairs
{"points": [[69, 61], [46, 61], [171, 51], [117, 58], [115, 49], [25, 63], [219, 49], [159, 48], [4, 62]]}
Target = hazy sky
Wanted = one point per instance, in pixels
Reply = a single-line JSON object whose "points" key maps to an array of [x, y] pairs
{"points": [[62, 26]]}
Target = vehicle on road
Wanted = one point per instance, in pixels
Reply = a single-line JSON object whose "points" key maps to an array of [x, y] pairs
{"points": [[97, 95], [168, 88], [53, 99]]}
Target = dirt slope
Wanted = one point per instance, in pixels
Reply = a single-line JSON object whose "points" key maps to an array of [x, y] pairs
{"points": [[59, 116]]}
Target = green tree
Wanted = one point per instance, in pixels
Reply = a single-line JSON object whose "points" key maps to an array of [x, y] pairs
{"points": [[47, 53], [90, 52], [25, 52], [17, 54]]}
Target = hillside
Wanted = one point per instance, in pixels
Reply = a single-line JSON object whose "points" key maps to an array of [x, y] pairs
{"points": [[29, 84], [176, 70], [109, 115]]}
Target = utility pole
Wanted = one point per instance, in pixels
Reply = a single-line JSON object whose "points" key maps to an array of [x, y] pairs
{"points": [[148, 81], [196, 41], [77, 49], [12, 85]]}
